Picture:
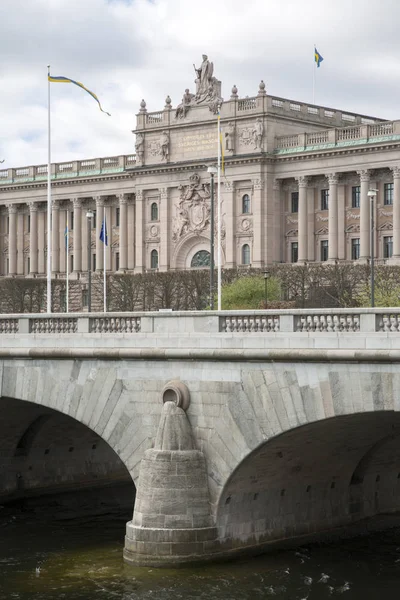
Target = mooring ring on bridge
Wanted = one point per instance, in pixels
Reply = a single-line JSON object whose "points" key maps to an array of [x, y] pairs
{"points": [[176, 391]]}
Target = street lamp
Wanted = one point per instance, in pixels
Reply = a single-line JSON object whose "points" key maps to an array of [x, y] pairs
{"points": [[266, 276], [212, 171], [372, 195], [89, 216]]}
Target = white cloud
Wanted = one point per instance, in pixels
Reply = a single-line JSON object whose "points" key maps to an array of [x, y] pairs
{"points": [[128, 50]]}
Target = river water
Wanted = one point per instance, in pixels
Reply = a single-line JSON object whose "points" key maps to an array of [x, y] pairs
{"points": [[44, 556]]}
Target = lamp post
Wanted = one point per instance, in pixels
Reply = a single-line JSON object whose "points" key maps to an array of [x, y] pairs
{"points": [[89, 216], [266, 276], [212, 171], [372, 195]]}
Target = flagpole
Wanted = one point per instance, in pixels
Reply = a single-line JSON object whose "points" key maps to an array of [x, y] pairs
{"points": [[48, 198], [313, 86], [104, 261], [67, 261], [219, 208]]}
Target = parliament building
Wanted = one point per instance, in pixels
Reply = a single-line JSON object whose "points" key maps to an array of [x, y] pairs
{"points": [[299, 184]]}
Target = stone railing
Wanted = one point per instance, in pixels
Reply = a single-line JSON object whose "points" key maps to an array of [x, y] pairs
{"points": [[247, 104], [79, 168], [362, 134], [296, 321], [154, 118]]}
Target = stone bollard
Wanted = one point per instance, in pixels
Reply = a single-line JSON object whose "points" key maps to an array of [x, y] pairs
{"points": [[172, 522]]}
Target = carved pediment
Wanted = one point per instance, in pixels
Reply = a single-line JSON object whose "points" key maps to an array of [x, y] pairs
{"points": [[352, 229], [292, 233], [388, 226], [322, 231]]}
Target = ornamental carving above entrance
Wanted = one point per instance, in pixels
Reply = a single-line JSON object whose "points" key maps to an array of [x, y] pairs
{"points": [[193, 208]]}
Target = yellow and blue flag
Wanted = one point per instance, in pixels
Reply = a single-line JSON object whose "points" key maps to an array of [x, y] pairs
{"points": [[318, 57], [60, 79]]}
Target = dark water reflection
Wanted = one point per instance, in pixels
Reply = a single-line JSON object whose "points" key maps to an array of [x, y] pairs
{"points": [[81, 559]]}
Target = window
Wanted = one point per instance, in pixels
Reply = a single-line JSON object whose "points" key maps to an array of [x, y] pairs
{"points": [[71, 263], [154, 259], [324, 250], [71, 221], [154, 211], [85, 298], [202, 258], [29, 265], [355, 248], [117, 261], [93, 219], [295, 202], [387, 247], [294, 255], [8, 225], [246, 204], [388, 193], [245, 254], [324, 199], [355, 196], [63, 300], [29, 223], [94, 262], [117, 213]]}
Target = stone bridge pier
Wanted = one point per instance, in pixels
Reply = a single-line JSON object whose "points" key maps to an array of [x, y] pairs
{"points": [[236, 441]]}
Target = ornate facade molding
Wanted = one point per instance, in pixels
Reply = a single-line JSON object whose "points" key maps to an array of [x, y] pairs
{"points": [[365, 175]]}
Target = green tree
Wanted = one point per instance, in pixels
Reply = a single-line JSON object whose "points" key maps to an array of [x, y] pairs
{"points": [[387, 288], [247, 293]]}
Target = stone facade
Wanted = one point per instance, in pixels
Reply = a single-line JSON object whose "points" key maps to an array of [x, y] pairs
{"points": [[295, 188]]}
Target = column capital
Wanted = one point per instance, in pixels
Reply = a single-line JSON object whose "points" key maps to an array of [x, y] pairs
{"points": [[12, 209], [33, 207], [364, 175], [258, 184], [163, 193], [77, 202], [277, 184], [122, 198], [100, 200], [396, 171], [56, 205], [229, 186], [303, 181], [139, 194], [333, 178]]}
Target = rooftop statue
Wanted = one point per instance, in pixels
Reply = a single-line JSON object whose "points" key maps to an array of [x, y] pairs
{"points": [[208, 90]]}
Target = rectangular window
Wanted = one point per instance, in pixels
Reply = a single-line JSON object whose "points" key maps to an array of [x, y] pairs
{"points": [[29, 223], [117, 213], [324, 199], [355, 196], [71, 263], [29, 265], [388, 194], [324, 250], [295, 202], [63, 300], [94, 262], [387, 247], [294, 256], [355, 248], [117, 261], [71, 220], [8, 226], [85, 298]]}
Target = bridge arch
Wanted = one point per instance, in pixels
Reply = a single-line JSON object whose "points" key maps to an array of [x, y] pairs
{"points": [[300, 483]]}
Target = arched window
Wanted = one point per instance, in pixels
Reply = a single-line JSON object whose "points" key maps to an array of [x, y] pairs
{"points": [[154, 211], [245, 254], [154, 259], [201, 259], [246, 204]]}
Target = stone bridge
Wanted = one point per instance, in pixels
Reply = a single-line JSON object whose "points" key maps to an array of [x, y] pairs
{"points": [[240, 430]]}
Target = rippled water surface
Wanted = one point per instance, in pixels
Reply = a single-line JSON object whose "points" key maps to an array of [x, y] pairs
{"points": [[81, 559]]}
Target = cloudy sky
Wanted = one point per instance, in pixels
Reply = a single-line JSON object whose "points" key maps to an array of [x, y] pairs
{"points": [[126, 50]]}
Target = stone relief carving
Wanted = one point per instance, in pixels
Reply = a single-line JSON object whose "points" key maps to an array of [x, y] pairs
{"points": [[230, 137], [351, 215], [246, 136], [192, 210], [386, 226], [353, 229], [385, 213], [321, 218], [246, 225], [322, 231], [160, 147], [258, 134], [208, 91], [139, 147], [290, 220]]}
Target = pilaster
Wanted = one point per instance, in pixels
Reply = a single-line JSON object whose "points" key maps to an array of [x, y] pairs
{"points": [[302, 222], [333, 255], [20, 242], [55, 234], [123, 231], [33, 237], [230, 224], [77, 233], [139, 266], [12, 239], [396, 214], [364, 215], [165, 230], [258, 221]]}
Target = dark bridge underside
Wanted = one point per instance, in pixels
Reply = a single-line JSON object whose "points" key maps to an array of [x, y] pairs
{"points": [[312, 480], [45, 452]]}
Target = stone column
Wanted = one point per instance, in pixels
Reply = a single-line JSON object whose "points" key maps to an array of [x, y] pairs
{"points": [[396, 214], [341, 222], [41, 242], [333, 218], [123, 232], [77, 234], [85, 220], [99, 223], [364, 216], [140, 262], [12, 239], [33, 238], [55, 237], [311, 223], [302, 223], [230, 224], [131, 236], [63, 240], [165, 230], [107, 215], [20, 243], [258, 224]]}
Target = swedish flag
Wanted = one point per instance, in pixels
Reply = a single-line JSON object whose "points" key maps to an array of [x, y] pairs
{"points": [[317, 57], [60, 79]]}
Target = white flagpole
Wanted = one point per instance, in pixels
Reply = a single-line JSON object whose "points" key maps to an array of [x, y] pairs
{"points": [[67, 261], [219, 209], [104, 261], [49, 207], [313, 82]]}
